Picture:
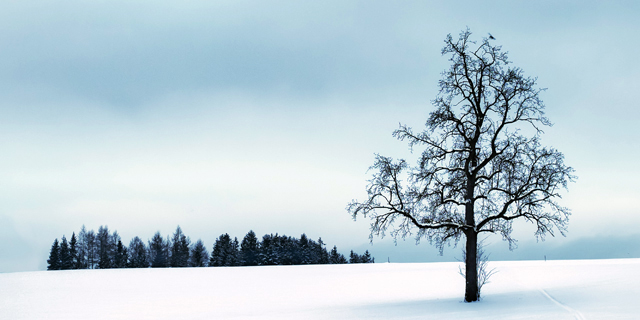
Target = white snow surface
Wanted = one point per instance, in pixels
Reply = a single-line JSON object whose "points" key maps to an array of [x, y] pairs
{"points": [[570, 289]]}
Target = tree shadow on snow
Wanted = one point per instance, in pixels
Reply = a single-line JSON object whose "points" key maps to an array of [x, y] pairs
{"points": [[515, 305]]}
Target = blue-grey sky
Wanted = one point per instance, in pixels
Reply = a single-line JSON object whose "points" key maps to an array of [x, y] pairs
{"points": [[226, 116]]}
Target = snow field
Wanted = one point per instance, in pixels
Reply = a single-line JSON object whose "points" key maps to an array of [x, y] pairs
{"points": [[572, 289]]}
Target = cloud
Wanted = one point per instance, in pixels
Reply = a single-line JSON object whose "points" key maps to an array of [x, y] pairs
{"points": [[230, 115], [125, 56]]}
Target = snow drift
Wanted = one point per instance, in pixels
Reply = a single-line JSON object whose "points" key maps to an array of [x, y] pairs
{"points": [[572, 289]]}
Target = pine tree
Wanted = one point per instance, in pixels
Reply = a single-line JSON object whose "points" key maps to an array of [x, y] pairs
{"points": [[199, 255], [114, 238], [158, 251], [65, 258], [335, 257], [270, 250], [121, 256], [104, 248], [304, 250], [216, 254], [185, 244], [234, 253], [366, 258], [73, 251], [289, 251], [167, 251], [138, 255], [180, 249], [92, 250], [82, 249], [249, 250], [219, 254], [54, 256], [354, 257], [322, 253]]}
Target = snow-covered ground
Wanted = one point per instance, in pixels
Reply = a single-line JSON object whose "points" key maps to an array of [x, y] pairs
{"points": [[572, 289]]}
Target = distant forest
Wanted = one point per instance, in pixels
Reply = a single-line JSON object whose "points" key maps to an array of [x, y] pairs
{"points": [[105, 250]]}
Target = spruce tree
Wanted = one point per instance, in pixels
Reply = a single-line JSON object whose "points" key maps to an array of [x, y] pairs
{"points": [[366, 258], [158, 251], [167, 251], [335, 257], [304, 252], [73, 251], [82, 249], [354, 257], [234, 253], [216, 254], [270, 250], [180, 249], [199, 255], [220, 253], [92, 250], [114, 238], [322, 253], [138, 255], [121, 256], [249, 249], [65, 258], [104, 248], [54, 256]]}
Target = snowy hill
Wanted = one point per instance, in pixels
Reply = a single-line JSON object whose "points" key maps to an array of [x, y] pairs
{"points": [[572, 289]]}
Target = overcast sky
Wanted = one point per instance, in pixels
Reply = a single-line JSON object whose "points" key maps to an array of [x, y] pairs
{"points": [[226, 116]]}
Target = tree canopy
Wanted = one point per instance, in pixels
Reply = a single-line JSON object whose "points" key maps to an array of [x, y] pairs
{"points": [[481, 163]]}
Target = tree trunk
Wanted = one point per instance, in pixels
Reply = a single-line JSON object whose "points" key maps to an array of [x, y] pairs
{"points": [[471, 267], [471, 263]]}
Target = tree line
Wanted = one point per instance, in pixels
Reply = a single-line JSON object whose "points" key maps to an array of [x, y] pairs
{"points": [[105, 250]]}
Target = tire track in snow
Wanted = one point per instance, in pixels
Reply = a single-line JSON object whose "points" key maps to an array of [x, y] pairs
{"points": [[576, 314]]}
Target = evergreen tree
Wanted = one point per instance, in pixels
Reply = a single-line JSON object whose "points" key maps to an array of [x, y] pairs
{"points": [[82, 249], [270, 250], [216, 254], [288, 250], [65, 258], [138, 256], [167, 251], [335, 257], [180, 249], [158, 251], [322, 253], [185, 244], [234, 253], [366, 258], [73, 251], [199, 255], [54, 256], [304, 255], [225, 252], [92, 250], [354, 257], [249, 250], [114, 238], [121, 256], [104, 248], [219, 252]]}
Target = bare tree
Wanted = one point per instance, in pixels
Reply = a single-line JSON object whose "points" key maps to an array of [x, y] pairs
{"points": [[482, 165], [482, 263]]}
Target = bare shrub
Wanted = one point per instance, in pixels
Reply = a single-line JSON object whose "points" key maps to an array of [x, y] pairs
{"points": [[482, 263]]}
